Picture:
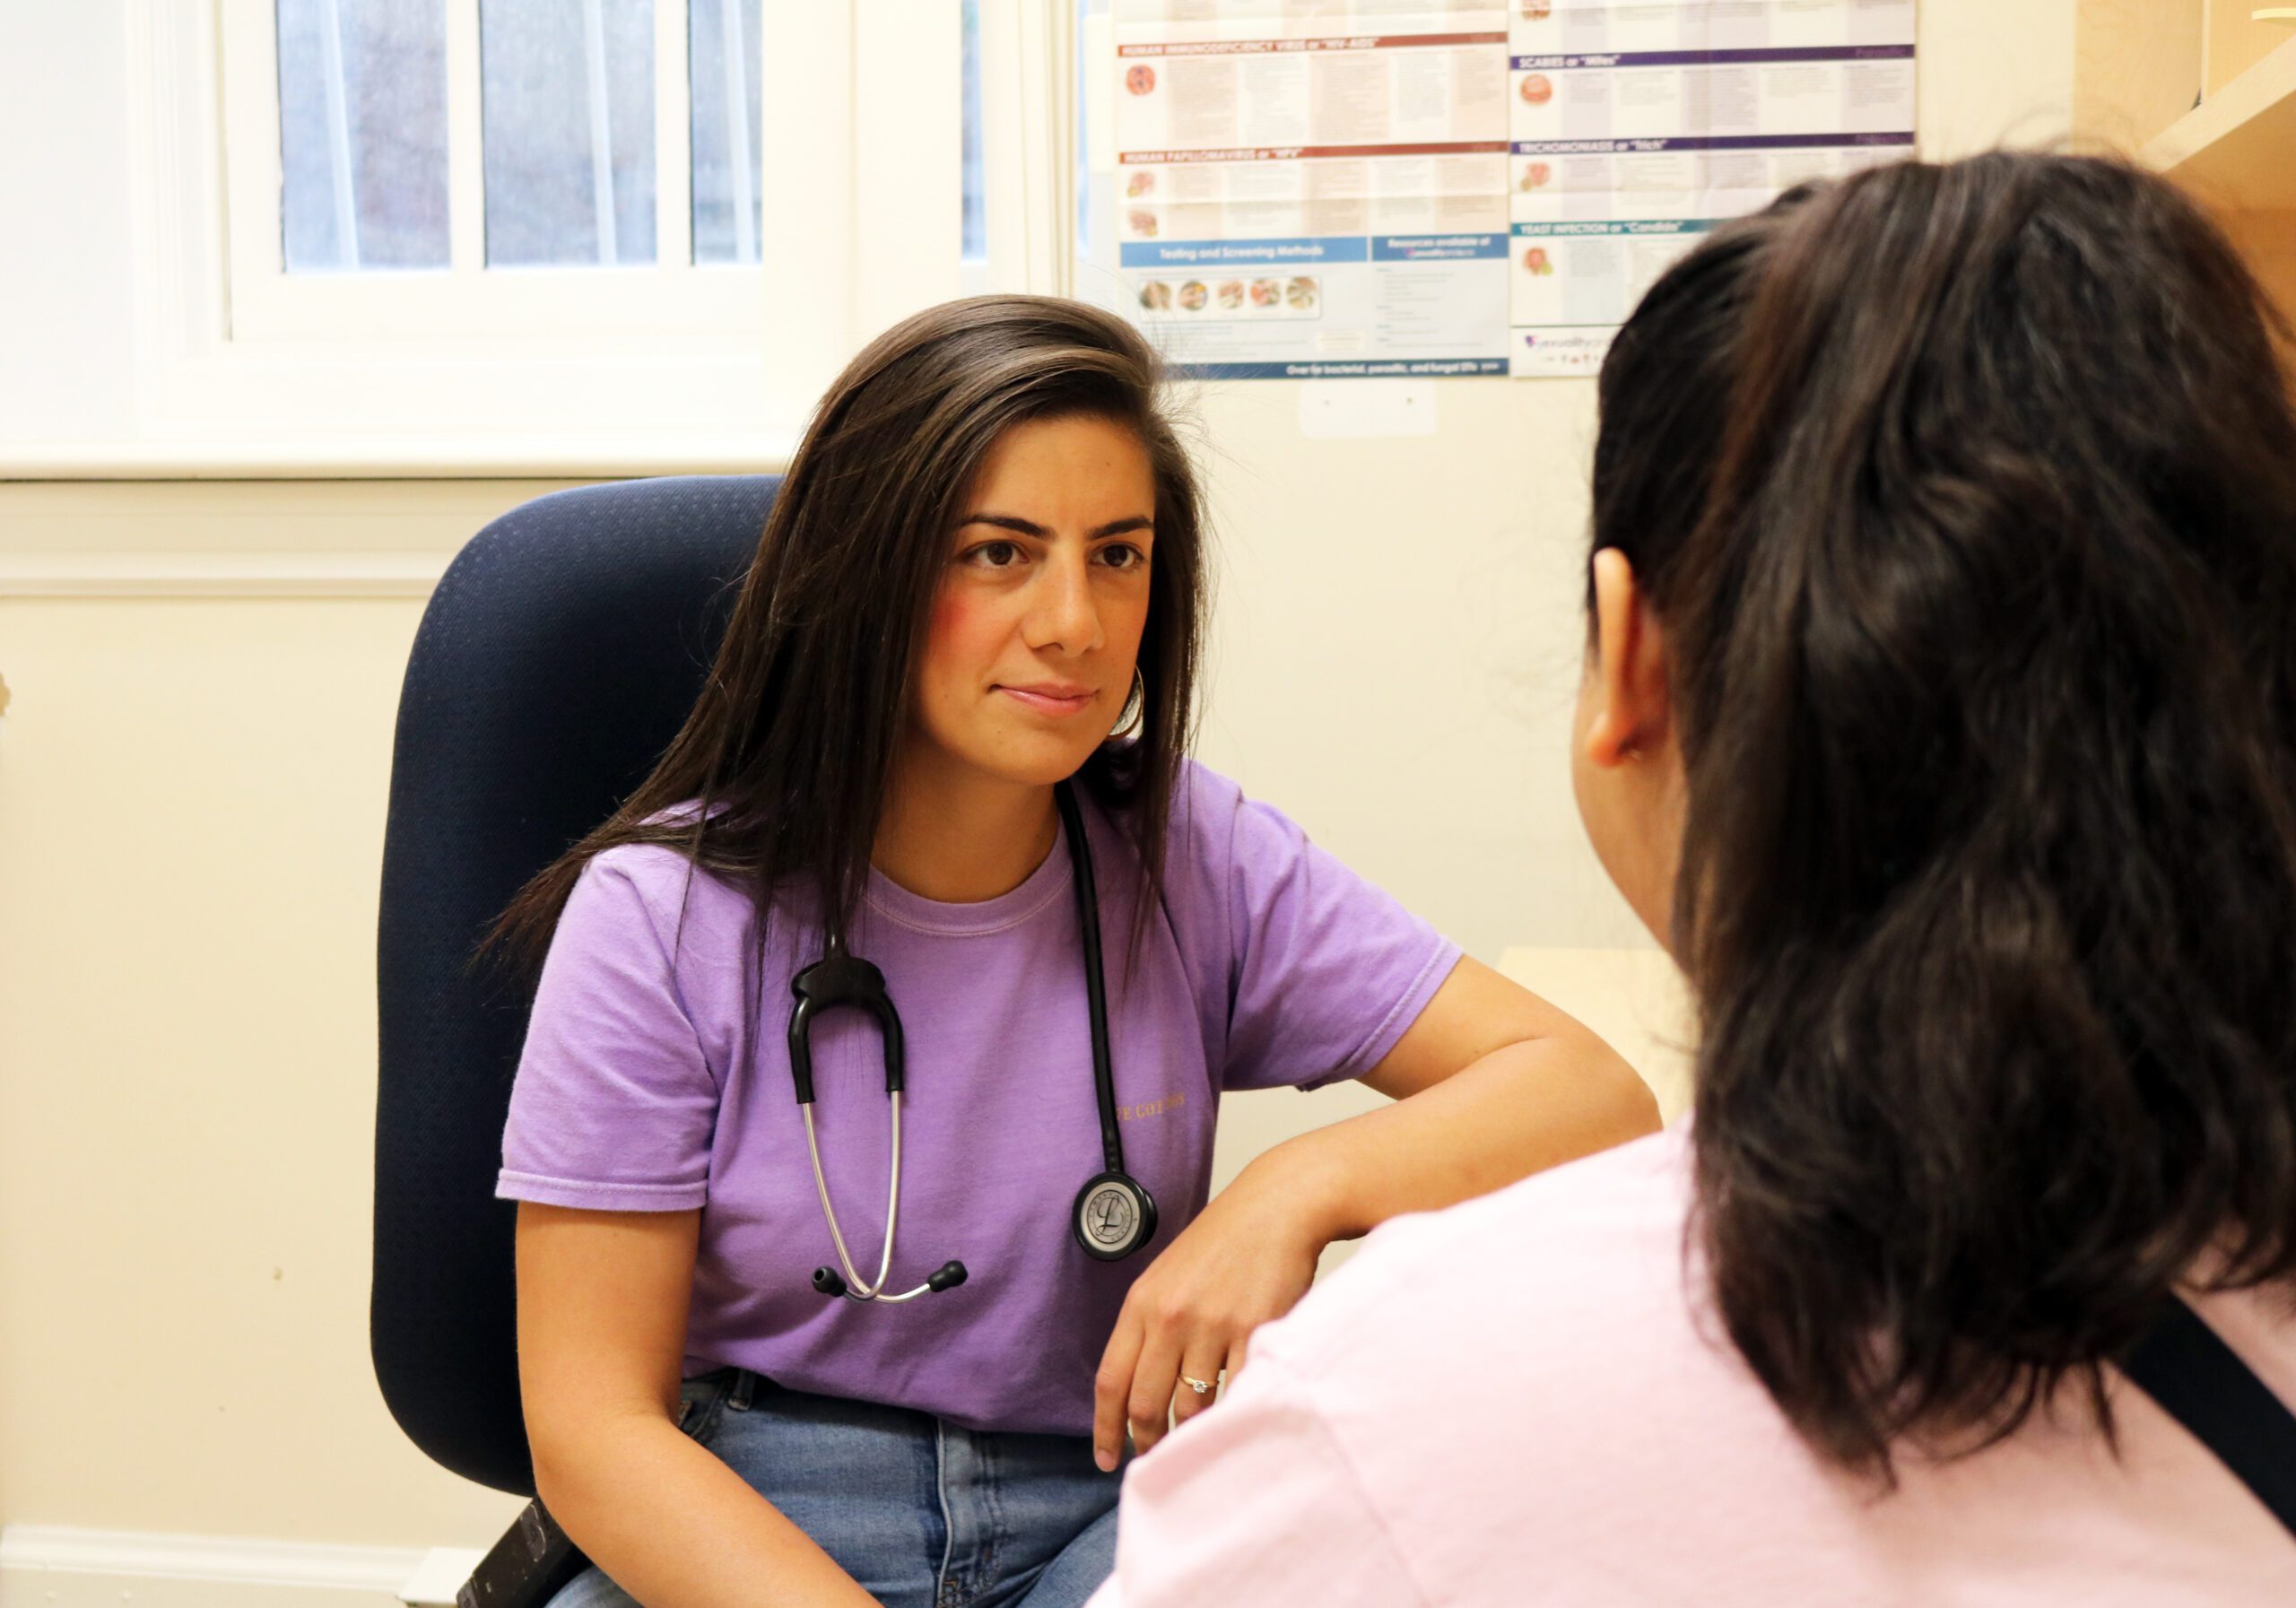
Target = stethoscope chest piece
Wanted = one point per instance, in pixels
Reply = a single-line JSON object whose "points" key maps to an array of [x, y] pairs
{"points": [[1113, 1217]]}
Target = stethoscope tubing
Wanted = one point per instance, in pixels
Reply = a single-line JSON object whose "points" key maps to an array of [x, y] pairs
{"points": [[861, 1289], [1088, 921], [840, 979]]}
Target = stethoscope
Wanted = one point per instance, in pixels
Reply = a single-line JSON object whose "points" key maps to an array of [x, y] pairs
{"points": [[1114, 1215]]}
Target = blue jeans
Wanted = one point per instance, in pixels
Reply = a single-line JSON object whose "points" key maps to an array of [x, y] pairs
{"points": [[922, 1514]]}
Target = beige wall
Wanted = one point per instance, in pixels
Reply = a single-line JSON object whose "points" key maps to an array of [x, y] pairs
{"points": [[191, 794], [191, 804]]}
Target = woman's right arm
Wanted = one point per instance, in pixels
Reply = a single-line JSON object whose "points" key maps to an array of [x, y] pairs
{"points": [[602, 1316]]}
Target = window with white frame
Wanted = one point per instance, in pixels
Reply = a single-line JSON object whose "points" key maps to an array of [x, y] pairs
{"points": [[490, 168], [410, 237]]}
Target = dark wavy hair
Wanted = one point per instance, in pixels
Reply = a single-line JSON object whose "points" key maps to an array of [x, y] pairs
{"points": [[1966, 497], [789, 749]]}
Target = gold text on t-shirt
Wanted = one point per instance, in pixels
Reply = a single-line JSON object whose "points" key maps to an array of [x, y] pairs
{"points": [[1155, 1108]]}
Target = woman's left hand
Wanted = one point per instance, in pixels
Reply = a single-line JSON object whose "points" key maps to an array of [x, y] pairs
{"points": [[1247, 1257]]}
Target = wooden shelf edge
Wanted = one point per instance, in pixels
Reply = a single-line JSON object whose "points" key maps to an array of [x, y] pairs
{"points": [[2240, 143]]}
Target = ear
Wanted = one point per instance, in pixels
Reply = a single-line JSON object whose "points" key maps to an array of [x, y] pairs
{"points": [[1632, 713]]}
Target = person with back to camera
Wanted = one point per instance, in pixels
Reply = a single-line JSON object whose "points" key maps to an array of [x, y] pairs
{"points": [[1939, 715], [1008, 959]]}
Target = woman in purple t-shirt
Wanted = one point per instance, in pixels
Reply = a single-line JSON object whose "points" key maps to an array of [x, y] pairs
{"points": [[984, 564]]}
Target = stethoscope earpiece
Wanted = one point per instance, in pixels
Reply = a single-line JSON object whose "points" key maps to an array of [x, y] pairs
{"points": [[1114, 1214], [947, 1276]]}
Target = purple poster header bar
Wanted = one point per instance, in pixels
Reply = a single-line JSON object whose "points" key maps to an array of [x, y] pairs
{"points": [[1715, 59], [1706, 142]]}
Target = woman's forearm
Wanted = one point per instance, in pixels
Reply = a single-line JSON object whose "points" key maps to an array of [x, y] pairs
{"points": [[1546, 1098], [676, 1528], [1517, 1111]]}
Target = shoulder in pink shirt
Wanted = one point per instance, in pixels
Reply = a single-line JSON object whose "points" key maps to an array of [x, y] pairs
{"points": [[1516, 1401]]}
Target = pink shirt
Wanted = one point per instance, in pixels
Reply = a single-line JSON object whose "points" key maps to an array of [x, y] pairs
{"points": [[1509, 1403]]}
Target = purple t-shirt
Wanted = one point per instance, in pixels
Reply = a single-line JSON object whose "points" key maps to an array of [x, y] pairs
{"points": [[646, 1086]]}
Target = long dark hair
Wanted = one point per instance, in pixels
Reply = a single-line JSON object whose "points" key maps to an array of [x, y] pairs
{"points": [[1966, 496], [790, 751]]}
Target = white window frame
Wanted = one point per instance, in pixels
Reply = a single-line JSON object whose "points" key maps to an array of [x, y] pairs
{"points": [[243, 370], [1028, 109]]}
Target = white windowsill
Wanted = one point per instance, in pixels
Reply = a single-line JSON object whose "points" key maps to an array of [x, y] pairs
{"points": [[411, 459]]}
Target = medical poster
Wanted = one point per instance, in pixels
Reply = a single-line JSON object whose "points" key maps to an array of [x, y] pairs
{"points": [[1636, 126], [1314, 188]]}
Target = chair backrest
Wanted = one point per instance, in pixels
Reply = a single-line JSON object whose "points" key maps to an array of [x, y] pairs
{"points": [[560, 654]]}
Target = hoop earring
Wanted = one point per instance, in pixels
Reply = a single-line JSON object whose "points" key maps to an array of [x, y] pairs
{"points": [[1134, 720]]}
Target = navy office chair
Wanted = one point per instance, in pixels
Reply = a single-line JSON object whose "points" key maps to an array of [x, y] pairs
{"points": [[560, 654]]}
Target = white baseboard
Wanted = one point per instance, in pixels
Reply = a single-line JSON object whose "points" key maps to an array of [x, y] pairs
{"points": [[51, 1565]]}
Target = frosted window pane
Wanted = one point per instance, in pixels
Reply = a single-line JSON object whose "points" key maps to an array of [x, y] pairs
{"points": [[722, 63], [362, 134], [567, 91], [976, 206]]}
